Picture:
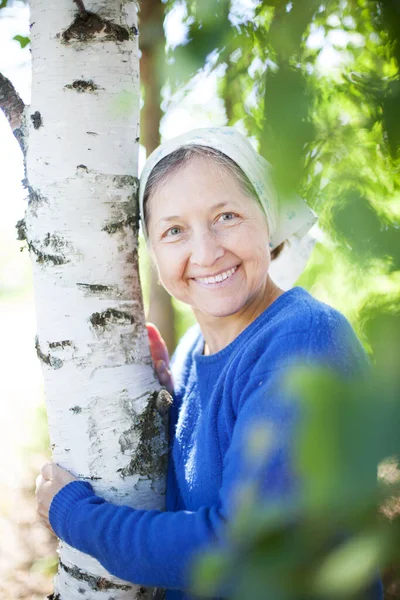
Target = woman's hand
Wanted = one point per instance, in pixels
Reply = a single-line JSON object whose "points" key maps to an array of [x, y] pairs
{"points": [[48, 483], [159, 353]]}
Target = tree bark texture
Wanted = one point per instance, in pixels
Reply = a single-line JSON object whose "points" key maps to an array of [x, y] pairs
{"points": [[106, 415], [152, 64]]}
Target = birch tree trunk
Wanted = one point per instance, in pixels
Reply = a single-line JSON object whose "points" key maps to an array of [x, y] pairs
{"points": [[106, 415]]}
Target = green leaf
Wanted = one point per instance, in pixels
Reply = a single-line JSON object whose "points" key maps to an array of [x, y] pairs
{"points": [[24, 41], [3, 4], [352, 566]]}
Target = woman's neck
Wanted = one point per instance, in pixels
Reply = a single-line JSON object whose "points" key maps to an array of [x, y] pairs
{"points": [[219, 332]]}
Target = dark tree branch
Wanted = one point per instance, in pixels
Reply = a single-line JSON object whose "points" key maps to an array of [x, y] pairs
{"points": [[13, 108], [81, 6], [11, 103]]}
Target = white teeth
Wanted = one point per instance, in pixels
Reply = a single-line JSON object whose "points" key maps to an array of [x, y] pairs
{"points": [[218, 278]]}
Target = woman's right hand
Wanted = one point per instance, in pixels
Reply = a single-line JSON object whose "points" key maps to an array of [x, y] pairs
{"points": [[159, 353]]}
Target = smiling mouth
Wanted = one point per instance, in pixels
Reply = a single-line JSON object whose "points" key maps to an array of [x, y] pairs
{"points": [[217, 278]]}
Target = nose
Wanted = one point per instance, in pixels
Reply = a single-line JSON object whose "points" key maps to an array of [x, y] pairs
{"points": [[206, 248]]}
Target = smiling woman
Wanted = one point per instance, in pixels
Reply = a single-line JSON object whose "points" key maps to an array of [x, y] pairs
{"points": [[213, 252], [212, 218]]}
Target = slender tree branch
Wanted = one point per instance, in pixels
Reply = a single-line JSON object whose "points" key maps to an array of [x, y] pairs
{"points": [[81, 6], [11, 103]]}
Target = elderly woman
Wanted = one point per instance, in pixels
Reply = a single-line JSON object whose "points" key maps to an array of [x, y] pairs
{"points": [[213, 225]]}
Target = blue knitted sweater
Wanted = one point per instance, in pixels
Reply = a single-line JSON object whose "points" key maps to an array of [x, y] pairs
{"points": [[217, 400]]}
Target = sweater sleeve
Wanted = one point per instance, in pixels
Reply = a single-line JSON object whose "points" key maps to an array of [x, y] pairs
{"points": [[154, 548]]}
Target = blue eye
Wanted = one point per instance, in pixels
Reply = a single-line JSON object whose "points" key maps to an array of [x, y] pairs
{"points": [[173, 231], [228, 216]]}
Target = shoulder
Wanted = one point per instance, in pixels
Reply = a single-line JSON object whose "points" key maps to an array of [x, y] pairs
{"points": [[332, 340], [301, 329]]}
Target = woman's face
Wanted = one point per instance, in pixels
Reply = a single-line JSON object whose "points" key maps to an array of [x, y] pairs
{"points": [[209, 239]]}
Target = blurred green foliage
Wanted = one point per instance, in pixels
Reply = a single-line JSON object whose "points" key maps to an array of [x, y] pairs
{"points": [[317, 85]]}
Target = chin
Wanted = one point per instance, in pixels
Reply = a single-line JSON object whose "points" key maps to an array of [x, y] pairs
{"points": [[219, 311]]}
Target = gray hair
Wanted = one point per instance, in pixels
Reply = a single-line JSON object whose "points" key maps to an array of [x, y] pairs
{"points": [[171, 163]]}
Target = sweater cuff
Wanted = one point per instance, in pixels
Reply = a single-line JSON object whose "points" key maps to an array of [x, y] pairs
{"points": [[63, 504]]}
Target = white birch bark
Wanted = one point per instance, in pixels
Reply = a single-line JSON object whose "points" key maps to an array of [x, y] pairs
{"points": [[81, 227]]}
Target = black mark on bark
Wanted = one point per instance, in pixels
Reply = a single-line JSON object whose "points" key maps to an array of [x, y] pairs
{"points": [[97, 289], [36, 119], [88, 26], [47, 359], [130, 221], [35, 199], [43, 258], [76, 409], [54, 596], [121, 181], [82, 168], [21, 230], [62, 344], [96, 583], [53, 242], [132, 257], [130, 208], [80, 85], [111, 316], [150, 455]]}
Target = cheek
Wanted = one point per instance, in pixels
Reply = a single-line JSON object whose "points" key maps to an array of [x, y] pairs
{"points": [[251, 245], [170, 266]]}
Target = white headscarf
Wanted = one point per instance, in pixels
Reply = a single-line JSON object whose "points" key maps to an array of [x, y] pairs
{"points": [[286, 219]]}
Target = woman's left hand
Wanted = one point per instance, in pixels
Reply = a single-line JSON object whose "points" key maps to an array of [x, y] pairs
{"points": [[50, 481]]}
